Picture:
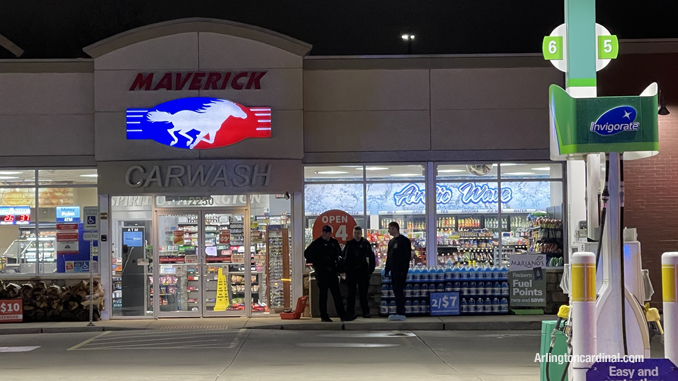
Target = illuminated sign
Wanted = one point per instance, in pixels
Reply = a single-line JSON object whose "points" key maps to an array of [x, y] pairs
{"points": [[15, 215], [243, 80], [616, 120], [471, 193], [198, 123], [67, 214]]}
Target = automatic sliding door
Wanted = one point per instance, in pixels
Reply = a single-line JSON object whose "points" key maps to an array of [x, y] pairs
{"points": [[178, 279], [227, 264]]}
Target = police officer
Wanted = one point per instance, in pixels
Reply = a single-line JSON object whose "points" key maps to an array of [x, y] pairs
{"points": [[397, 264], [360, 262], [325, 255]]}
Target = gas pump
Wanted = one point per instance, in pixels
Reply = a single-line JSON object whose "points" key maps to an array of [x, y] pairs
{"points": [[591, 128]]}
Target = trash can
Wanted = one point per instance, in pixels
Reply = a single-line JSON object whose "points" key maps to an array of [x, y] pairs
{"points": [[559, 348]]}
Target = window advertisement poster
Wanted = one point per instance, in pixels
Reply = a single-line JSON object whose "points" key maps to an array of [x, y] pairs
{"points": [[320, 198], [81, 266], [527, 280], [67, 239], [391, 198]]}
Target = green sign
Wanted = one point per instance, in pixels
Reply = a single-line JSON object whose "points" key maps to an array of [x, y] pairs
{"points": [[527, 280], [604, 124], [608, 47], [553, 48]]}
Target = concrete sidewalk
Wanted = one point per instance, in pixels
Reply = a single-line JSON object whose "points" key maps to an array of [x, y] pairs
{"points": [[427, 323]]}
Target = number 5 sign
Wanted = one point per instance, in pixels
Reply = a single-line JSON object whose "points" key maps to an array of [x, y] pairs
{"points": [[341, 222]]}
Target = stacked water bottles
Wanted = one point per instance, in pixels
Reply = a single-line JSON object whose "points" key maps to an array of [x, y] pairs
{"points": [[483, 290]]}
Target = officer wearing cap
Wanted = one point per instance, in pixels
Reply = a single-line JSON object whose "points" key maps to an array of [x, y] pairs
{"points": [[325, 255]]}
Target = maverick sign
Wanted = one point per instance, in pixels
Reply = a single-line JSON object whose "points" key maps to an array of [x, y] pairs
{"points": [[200, 177]]}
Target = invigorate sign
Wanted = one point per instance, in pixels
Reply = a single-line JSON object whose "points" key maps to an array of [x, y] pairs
{"points": [[603, 124], [198, 123]]}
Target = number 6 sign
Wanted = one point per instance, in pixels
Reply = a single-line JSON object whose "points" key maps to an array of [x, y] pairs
{"points": [[341, 222]]}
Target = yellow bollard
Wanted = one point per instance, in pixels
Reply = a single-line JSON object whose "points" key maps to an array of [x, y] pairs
{"points": [[670, 297], [583, 312]]}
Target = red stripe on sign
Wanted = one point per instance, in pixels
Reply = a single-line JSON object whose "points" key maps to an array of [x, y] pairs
{"points": [[63, 237], [67, 226]]}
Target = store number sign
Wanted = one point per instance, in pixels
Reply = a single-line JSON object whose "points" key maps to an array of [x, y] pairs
{"points": [[341, 222], [11, 311]]}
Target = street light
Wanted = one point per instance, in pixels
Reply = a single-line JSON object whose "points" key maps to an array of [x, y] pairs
{"points": [[408, 38]]}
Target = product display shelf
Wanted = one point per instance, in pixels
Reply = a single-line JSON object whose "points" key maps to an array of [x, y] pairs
{"points": [[471, 292]]}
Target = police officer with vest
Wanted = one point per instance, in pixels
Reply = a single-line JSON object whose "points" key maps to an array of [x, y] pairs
{"points": [[360, 263], [325, 255]]}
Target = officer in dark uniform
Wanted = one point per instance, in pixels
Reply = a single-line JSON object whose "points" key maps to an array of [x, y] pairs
{"points": [[325, 255], [360, 262], [397, 264]]}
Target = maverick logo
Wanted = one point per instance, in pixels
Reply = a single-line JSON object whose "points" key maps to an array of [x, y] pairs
{"points": [[198, 123], [616, 120]]}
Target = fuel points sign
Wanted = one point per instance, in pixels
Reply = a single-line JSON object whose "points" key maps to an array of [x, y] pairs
{"points": [[554, 47]]}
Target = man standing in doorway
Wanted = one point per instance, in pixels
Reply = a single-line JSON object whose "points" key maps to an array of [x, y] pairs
{"points": [[360, 264], [325, 255], [397, 263]]}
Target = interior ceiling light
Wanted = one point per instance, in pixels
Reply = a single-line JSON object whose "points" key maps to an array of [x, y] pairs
{"points": [[450, 170], [375, 168], [331, 172], [519, 173], [8, 177], [10, 172], [406, 174], [90, 175], [541, 169], [508, 164]]}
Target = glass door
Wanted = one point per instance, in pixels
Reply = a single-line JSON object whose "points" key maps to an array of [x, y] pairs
{"points": [[228, 281], [177, 283]]}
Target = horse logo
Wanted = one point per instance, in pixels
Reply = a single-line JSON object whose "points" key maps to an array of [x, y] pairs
{"points": [[199, 123]]}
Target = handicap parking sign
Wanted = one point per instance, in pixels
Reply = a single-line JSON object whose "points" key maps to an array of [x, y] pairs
{"points": [[91, 218]]}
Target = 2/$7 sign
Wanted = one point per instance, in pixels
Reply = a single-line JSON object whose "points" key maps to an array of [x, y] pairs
{"points": [[200, 176]]}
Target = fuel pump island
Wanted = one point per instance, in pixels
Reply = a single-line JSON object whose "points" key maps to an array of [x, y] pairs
{"points": [[607, 317]]}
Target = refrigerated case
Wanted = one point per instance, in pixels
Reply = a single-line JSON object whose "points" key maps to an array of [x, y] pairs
{"points": [[20, 256]]}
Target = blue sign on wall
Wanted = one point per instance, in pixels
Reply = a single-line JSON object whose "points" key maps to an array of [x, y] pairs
{"points": [[444, 303], [645, 370], [67, 214]]}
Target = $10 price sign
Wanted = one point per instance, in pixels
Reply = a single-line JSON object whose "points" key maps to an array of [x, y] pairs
{"points": [[444, 303], [11, 311]]}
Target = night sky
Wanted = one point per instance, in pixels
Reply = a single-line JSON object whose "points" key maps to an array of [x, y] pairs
{"points": [[61, 28]]}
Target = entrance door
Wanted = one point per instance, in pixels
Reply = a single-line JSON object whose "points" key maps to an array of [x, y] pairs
{"points": [[177, 280], [228, 282], [203, 267]]}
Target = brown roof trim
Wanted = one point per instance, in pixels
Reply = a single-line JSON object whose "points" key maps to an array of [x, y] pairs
{"points": [[47, 66], [191, 25], [403, 62]]}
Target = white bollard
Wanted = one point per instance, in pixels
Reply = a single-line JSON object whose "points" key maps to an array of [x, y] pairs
{"points": [[583, 312], [670, 297]]}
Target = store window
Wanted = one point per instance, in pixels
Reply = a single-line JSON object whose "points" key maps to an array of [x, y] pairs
{"points": [[480, 222], [531, 171], [333, 173], [404, 203], [394, 172], [29, 217]]}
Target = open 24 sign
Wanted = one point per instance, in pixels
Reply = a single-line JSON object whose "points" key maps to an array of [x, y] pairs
{"points": [[444, 303], [341, 222]]}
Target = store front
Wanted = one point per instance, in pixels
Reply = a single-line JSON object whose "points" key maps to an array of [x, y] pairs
{"points": [[217, 144]]}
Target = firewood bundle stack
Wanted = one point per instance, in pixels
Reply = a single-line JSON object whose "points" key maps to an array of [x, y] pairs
{"points": [[54, 303]]}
